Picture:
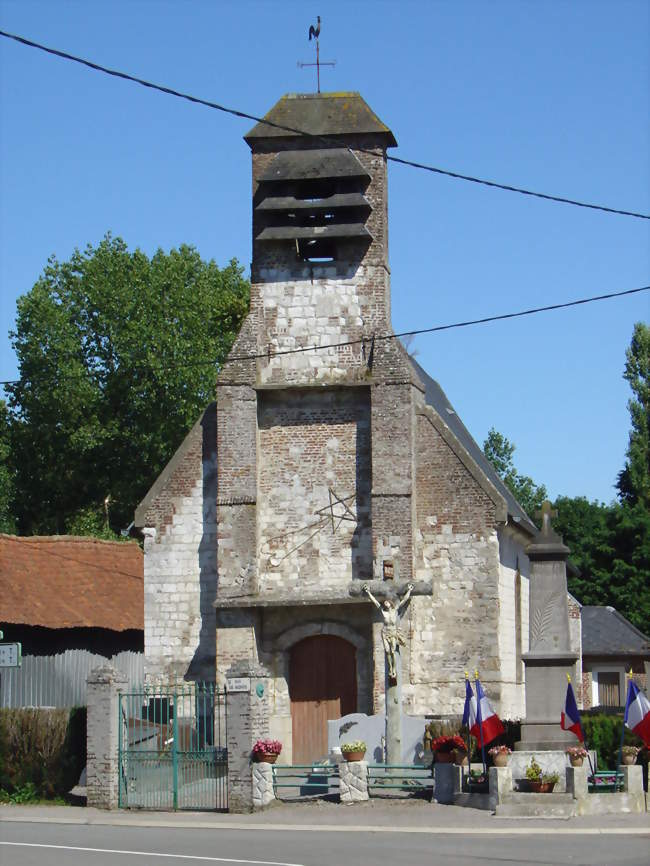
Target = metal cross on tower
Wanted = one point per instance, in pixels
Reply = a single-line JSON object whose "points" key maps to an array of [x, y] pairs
{"points": [[314, 33]]}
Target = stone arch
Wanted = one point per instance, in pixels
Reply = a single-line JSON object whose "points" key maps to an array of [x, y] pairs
{"points": [[286, 639]]}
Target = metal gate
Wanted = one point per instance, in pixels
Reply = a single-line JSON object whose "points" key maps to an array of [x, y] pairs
{"points": [[172, 748]]}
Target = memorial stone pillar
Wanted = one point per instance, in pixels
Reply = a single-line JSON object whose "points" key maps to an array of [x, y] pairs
{"points": [[550, 657]]}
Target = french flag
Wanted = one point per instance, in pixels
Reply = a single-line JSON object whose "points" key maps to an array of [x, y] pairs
{"points": [[637, 713], [469, 710], [485, 725], [570, 720]]}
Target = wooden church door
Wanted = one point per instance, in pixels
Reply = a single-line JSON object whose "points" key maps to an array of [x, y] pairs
{"points": [[322, 686]]}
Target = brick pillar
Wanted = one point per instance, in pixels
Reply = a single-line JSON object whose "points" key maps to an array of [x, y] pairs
{"points": [[248, 721], [102, 770]]}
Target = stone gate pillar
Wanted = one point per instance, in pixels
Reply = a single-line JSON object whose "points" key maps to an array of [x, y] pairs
{"points": [[102, 729], [248, 720]]}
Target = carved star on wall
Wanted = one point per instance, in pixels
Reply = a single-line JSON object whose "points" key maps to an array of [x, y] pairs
{"points": [[343, 512]]}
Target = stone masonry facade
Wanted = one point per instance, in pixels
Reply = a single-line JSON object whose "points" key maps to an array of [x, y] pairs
{"points": [[328, 468]]}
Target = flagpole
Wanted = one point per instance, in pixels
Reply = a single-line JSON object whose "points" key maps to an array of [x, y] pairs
{"points": [[480, 722], [620, 745], [469, 738], [584, 737]]}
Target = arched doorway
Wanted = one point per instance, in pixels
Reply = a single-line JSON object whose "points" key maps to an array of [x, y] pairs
{"points": [[322, 686]]}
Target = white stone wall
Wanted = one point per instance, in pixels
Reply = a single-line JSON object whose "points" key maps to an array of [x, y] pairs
{"points": [[179, 588], [299, 309], [513, 560], [456, 629]]}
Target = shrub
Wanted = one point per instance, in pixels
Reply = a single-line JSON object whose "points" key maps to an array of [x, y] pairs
{"points": [[603, 734], [42, 752]]}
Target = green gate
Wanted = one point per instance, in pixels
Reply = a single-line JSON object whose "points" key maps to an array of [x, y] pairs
{"points": [[172, 748]]}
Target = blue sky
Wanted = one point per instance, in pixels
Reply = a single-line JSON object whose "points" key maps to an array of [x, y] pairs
{"points": [[552, 96]]}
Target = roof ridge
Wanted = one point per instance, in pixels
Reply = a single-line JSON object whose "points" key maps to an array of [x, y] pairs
{"points": [[89, 539]]}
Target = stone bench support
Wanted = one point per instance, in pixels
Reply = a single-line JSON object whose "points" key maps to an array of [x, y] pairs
{"points": [[263, 792], [500, 785], [353, 781]]}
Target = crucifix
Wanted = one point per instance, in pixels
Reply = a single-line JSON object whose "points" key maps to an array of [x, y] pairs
{"points": [[392, 638], [314, 33]]}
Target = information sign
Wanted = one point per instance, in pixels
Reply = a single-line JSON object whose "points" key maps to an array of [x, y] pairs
{"points": [[238, 684], [10, 655]]}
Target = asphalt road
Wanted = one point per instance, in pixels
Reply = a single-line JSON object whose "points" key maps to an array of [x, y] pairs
{"points": [[35, 844]]}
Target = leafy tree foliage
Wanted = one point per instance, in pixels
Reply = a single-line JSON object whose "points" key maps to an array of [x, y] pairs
{"points": [[118, 355], [610, 545], [7, 520], [500, 451], [634, 480]]}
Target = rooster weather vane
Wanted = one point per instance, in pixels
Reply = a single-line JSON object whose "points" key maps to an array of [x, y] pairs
{"points": [[314, 33]]}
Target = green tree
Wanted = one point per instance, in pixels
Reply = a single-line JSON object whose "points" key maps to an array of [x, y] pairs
{"points": [[634, 480], [118, 354], [500, 452], [7, 519]]}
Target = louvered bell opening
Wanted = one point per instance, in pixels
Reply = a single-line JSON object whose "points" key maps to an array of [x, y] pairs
{"points": [[314, 200]]}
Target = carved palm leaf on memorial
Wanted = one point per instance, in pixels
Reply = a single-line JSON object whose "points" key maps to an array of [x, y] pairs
{"points": [[337, 511], [542, 620]]}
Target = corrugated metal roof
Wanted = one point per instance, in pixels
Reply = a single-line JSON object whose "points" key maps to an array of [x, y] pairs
{"points": [[63, 581], [605, 631], [437, 399]]}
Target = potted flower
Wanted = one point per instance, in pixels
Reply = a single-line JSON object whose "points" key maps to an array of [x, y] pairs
{"points": [[266, 751], [538, 781], [444, 747], [629, 755], [576, 754], [499, 755], [354, 751]]}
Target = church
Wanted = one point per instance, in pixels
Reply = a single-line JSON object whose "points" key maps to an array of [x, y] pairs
{"points": [[331, 461]]}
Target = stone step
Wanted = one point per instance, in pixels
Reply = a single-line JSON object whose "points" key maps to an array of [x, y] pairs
{"points": [[536, 806]]}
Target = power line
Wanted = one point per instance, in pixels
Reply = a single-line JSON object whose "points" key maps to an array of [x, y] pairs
{"points": [[243, 114], [414, 333]]}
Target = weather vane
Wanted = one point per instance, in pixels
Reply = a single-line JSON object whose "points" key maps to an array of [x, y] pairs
{"points": [[314, 33]]}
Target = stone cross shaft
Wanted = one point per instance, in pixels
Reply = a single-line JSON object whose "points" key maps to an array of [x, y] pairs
{"points": [[392, 638]]}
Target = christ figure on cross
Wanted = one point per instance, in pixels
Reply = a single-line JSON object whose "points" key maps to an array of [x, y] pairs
{"points": [[391, 635]]}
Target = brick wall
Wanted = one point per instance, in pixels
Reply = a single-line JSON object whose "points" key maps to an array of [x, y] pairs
{"points": [[311, 442]]}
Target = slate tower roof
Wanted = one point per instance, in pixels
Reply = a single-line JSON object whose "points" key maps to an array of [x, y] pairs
{"points": [[343, 113]]}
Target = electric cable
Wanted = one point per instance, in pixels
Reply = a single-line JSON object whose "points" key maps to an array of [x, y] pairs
{"points": [[243, 114], [369, 338]]}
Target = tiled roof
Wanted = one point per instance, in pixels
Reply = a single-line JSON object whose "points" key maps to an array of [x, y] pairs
{"points": [[62, 581], [605, 631]]}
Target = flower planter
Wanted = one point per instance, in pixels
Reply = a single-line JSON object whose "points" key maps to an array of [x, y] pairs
{"points": [[354, 756], [265, 758], [628, 760], [444, 757], [459, 757], [540, 787], [500, 760], [576, 762]]}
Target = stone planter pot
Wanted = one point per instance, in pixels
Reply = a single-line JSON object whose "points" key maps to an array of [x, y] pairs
{"points": [[265, 758], [354, 756], [576, 762], [501, 760], [628, 760], [444, 757]]}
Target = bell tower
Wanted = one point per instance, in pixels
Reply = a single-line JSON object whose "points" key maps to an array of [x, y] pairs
{"points": [[321, 421]]}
